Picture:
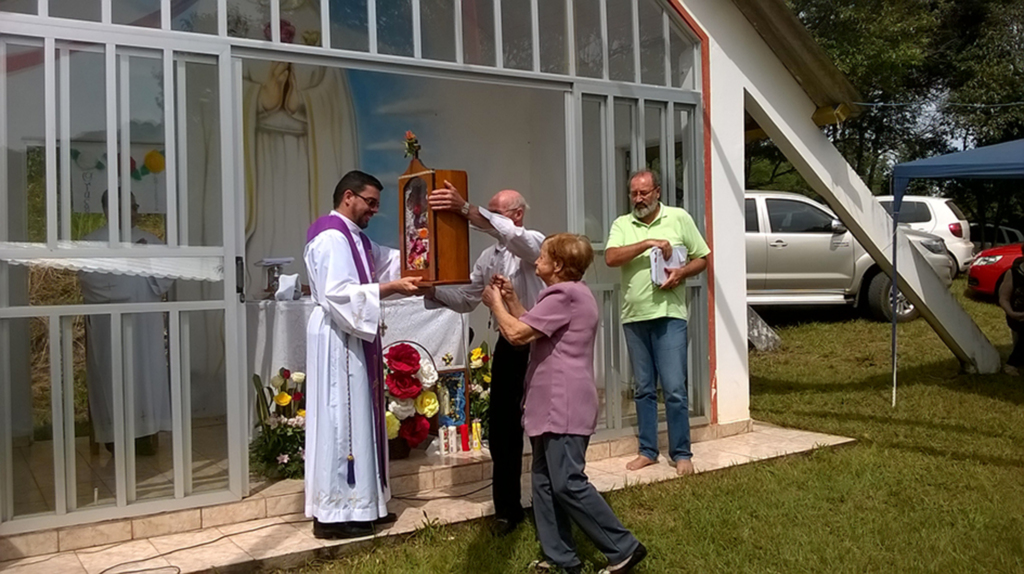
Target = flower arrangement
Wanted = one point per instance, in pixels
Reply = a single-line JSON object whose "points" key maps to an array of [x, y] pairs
{"points": [[279, 450], [480, 386], [409, 378]]}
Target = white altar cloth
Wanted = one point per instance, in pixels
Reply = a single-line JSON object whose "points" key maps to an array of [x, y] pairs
{"points": [[277, 332]]}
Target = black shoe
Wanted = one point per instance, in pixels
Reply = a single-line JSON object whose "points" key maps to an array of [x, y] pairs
{"points": [[639, 554], [341, 530], [503, 527], [388, 520], [144, 445]]}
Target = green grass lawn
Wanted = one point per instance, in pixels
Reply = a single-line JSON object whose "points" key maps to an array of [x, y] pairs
{"points": [[933, 485]]}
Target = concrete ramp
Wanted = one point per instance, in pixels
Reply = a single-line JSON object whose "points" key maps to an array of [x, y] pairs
{"points": [[827, 172]]}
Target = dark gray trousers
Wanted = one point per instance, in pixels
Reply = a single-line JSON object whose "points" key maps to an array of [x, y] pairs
{"points": [[562, 494]]}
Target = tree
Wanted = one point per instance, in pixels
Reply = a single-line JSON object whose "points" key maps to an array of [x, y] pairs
{"points": [[883, 47]]}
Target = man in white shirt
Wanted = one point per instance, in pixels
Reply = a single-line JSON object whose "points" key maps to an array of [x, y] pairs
{"points": [[513, 256], [150, 383]]}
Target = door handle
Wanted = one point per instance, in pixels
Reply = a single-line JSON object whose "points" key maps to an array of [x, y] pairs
{"points": [[778, 243], [240, 279]]}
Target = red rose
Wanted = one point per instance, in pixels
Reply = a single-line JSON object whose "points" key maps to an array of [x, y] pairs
{"points": [[287, 32], [286, 374], [296, 397], [403, 385], [414, 430], [402, 358]]}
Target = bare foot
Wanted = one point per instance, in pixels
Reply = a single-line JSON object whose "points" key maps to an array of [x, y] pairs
{"points": [[1011, 370], [639, 462], [684, 466]]}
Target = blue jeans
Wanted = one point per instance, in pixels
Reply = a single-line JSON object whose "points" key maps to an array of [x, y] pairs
{"points": [[657, 351]]}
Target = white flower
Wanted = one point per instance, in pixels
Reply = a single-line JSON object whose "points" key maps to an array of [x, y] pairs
{"points": [[299, 378], [476, 364], [427, 373], [277, 381], [302, 453], [476, 389], [402, 408], [486, 394], [274, 421], [282, 459]]}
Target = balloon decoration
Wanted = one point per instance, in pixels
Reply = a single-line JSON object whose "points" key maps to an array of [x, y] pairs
{"points": [[154, 161]]}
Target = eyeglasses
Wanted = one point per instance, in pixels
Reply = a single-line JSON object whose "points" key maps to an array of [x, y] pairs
{"points": [[642, 192], [370, 202]]}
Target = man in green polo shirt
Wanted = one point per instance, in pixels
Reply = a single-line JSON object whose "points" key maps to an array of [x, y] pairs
{"points": [[653, 316]]}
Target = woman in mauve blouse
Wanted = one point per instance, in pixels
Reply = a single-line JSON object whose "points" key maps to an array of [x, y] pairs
{"points": [[560, 405]]}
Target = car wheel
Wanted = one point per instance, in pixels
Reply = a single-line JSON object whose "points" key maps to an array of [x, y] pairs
{"points": [[956, 265], [881, 305]]}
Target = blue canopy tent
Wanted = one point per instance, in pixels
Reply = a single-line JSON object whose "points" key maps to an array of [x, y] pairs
{"points": [[999, 161]]}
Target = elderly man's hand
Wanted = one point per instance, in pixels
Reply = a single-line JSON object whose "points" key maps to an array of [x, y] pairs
{"points": [[675, 277], [446, 199]]}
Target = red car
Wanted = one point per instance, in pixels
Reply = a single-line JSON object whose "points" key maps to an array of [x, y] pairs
{"points": [[989, 267]]}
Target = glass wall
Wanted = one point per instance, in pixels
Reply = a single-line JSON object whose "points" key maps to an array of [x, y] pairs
{"points": [[113, 224]]}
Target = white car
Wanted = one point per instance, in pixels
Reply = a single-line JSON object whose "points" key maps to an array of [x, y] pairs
{"points": [[938, 216], [799, 253]]}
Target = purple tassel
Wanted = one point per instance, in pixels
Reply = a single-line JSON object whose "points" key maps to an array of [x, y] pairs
{"points": [[351, 471]]}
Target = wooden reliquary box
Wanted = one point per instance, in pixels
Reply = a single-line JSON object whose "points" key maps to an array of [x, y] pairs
{"points": [[435, 245]]}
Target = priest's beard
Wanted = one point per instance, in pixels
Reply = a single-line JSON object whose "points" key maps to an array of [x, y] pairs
{"points": [[642, 210]]}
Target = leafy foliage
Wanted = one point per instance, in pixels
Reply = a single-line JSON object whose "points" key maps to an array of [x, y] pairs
{"points": [[931, 65]]}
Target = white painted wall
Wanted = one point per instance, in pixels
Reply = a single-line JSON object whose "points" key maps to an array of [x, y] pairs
{"points": [[744, 70]]}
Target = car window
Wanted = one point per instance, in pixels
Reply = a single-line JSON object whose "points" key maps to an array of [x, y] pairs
{"points": [[750, 206], [1014, 236], [788, 216], [910, 211], [956, 210]]}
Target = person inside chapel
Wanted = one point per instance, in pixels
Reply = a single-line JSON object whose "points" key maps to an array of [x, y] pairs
{"points": [[149, 374]]}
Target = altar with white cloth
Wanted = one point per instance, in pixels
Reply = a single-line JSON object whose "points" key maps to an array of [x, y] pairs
{"points": [[277, 333]]}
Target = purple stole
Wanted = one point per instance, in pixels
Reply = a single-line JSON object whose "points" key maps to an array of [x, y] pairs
{"points": [[372, 351]]}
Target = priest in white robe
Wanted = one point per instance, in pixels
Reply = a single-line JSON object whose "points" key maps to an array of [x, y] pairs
{"points": [[149, 375], [346, 443]]}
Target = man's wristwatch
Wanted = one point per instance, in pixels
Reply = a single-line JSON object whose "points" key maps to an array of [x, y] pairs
{"points": [[465, 209]]}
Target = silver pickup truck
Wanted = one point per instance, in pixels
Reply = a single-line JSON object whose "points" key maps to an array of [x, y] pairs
{"points": [[799, 253]]}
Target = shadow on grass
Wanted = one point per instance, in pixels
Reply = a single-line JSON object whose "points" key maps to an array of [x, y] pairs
{"points": [[943, 374], [879, 419]]}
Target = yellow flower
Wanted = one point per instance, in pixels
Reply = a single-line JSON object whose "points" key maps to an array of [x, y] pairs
{"points": [[301, 413], [487, 378], [478, 353], [283, 399], [426, 404], [392, 424]]}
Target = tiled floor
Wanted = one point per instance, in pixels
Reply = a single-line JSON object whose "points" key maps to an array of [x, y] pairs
{"points": [[95, 473], [288, 541]]}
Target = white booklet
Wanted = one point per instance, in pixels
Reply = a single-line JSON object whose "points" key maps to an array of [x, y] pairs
{"points": [[659, 264]]}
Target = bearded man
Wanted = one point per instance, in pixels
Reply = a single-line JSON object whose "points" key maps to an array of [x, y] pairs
{"points": [[654, 316]]}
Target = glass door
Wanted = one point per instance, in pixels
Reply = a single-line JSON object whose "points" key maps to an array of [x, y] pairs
{"points": [[118, 313], [615, 134]]}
